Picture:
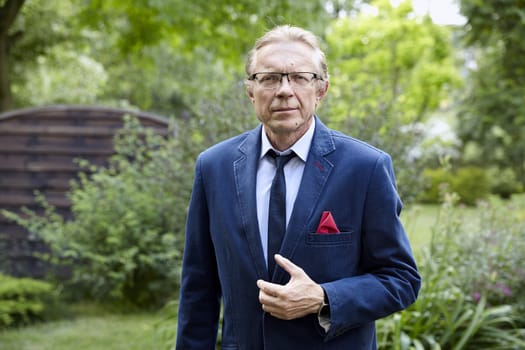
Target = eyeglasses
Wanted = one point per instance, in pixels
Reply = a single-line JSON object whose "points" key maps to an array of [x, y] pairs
{"points": [[272, 80]]}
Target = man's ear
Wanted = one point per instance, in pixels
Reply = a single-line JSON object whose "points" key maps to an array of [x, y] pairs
{"points": [[321, 92], [249, 91]]}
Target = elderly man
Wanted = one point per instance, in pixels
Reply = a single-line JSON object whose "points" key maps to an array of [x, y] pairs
{"points": [[293, 226]]}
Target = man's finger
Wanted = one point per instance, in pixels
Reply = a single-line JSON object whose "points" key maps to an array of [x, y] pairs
{"points": [[287, 265], [268, 288]]}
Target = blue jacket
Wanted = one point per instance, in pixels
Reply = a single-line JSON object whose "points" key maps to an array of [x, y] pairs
{"points": [[367, 271]]}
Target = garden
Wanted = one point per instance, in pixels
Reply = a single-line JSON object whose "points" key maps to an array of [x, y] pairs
{"points": [[472, 296], [445, 101]]}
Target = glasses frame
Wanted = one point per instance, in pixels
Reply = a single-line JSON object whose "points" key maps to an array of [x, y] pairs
{"points": [[315, 76]]}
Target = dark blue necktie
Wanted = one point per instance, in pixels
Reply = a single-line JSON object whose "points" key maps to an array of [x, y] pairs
{"points": [[277, 209]]}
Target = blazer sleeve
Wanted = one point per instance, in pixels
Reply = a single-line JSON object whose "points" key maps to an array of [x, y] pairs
{"points": [[388, 280], [199, 301]]}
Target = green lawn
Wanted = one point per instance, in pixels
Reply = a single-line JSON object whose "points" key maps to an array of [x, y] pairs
{"points": [[421, 220], [91, 329]]}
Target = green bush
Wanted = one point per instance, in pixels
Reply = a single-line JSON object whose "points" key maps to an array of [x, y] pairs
{"points": [[125, 240], [23, 300], [492, 255], [470, 183], [460, 305], [504, 182], [436, 182]]}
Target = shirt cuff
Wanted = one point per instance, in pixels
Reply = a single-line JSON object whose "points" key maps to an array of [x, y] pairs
{"points": [[323, 315]]}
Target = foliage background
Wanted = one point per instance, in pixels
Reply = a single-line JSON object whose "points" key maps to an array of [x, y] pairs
{"points": [[394, 76], [392, 69]]}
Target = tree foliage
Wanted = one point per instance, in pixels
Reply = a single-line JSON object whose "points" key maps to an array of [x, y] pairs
{"points": [[131, 41], [9, 10], [493, 113], [389, 70], [390, 63]]}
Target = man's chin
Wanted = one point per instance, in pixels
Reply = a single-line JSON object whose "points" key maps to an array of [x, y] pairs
{"points": [[288, 127]]}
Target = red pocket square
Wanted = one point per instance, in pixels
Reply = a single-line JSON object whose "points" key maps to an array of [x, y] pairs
{"points": [[327, 224]]}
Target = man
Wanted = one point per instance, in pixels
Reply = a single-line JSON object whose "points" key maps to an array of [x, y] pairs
{"points": [[344, 260]]}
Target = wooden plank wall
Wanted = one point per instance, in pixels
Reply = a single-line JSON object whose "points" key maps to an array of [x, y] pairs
{"points": [[37, 151]]}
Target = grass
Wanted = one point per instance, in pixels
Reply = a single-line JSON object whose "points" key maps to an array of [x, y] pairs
{"points": [[90, 329], [421, 220]]}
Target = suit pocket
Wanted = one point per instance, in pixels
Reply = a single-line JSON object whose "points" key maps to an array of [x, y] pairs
{"points": [[333, 239]]}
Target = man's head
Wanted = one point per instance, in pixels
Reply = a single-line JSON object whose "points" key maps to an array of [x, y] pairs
{"points": [[285, 102], [288, 33]]}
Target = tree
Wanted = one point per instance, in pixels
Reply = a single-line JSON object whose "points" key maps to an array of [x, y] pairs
{"points": [[9, 10], [390, 70], [493, 114], [38, 28], [124, 37]]}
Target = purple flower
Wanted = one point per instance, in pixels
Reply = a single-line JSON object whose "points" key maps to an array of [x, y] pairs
{"points": [[476, 296], [506, 291]]}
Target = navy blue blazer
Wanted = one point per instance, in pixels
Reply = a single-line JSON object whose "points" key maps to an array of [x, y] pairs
{"points": [[367, 270]]}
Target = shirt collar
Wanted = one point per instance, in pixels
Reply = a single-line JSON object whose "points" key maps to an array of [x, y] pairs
{"points": [[301, 147]]}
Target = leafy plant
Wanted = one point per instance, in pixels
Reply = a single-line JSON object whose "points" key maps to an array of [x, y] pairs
{"points": [[125, 239], [436, 182], [448, 314], [493, 255], [23, 300], [504, 182], [471, 184]]}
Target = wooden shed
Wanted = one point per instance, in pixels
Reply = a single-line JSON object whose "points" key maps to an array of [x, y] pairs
{"points": [[38, 147]]}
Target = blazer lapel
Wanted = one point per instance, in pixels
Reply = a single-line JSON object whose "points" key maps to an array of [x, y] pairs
{"points": [[316, 172], [245, 172]]}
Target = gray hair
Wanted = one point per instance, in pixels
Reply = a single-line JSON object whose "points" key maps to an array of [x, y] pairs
{"points": [[288, 33]]}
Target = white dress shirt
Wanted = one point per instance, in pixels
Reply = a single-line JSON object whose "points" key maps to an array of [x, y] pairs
{"points": [[293, 173]]}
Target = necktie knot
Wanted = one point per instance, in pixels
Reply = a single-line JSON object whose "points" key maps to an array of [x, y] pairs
{"points": [[281, 160]]}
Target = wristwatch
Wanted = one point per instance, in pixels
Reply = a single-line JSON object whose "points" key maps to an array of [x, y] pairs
{"points": [[324, 309]]}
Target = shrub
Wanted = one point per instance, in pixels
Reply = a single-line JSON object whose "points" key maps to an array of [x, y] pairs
{"points": [[504, 182], [436, 182], [453, 310], [126, 236], [470, 183], [23, 300], [492, 255]]}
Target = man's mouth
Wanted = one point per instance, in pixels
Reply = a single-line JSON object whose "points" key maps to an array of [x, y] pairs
{"points": [[284, 109]]}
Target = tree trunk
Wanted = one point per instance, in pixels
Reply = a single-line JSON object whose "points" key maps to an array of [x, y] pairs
{"points": [[6, 98], [8, 13]]}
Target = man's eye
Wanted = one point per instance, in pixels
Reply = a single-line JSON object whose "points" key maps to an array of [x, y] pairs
{"points": [[299, 77], [269, 78]]}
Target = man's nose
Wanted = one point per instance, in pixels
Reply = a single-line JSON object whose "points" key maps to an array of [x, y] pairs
{"points": [[285, 88]]}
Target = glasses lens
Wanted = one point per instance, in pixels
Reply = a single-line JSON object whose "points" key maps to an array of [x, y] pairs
{"points": [[300, 79], [269, 80]]}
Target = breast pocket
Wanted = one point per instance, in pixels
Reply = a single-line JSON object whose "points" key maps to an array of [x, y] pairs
{"points": [[328, 257], [329, 239]]}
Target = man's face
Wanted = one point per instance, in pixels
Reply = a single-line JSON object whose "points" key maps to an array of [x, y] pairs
{"points": [[286, 111]]}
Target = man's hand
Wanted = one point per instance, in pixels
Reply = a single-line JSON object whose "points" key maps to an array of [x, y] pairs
{"points": [[299, 297]]}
